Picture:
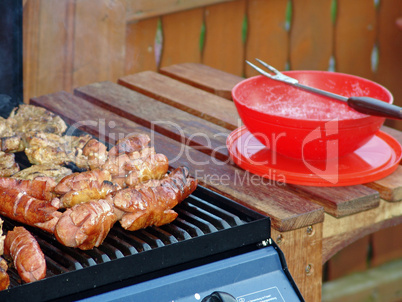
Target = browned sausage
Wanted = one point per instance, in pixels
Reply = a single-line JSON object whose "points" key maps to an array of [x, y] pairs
{"points": [[152, 205], [41, 189], [85, 225], [27, 256], [27, 209]]}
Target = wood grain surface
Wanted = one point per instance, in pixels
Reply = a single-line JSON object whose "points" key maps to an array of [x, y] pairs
{"points": [[361, 37], [184, 97], [311, 37], [165, 119], [203, 77], [287, 210]]}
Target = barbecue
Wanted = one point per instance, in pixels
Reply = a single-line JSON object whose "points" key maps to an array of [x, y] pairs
{"points": [[203, 227]]}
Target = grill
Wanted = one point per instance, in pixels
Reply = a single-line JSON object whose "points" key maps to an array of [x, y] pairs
{"points": [[208, 226]]}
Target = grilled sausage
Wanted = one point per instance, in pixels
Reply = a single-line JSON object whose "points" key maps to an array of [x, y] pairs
{"points": [[27, 256], [24, 208], [85, 225], [40, 189], [152, 205]]}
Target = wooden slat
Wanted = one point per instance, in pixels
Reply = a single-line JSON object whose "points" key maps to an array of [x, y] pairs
{"points": [[386, 245], [267, 35], [340, 232], [390, 187], [140, 46], [30, 48], [180, 125], [182, 96], [287, 211], [224, 47], [181, 37], [351, 259], [311, 35], [101, 23], [341, 201], [389, 38], [144, 9], [203, 77], [51, 41], [355, 29]]}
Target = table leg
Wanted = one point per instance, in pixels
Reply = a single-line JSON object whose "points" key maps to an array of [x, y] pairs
{"points": [[303, 252]]}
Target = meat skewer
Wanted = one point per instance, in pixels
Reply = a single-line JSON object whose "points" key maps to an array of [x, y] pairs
{"points": [[27, 256]]}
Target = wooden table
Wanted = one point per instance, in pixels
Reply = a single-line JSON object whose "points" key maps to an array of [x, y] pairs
{"points": [[187, 111]]}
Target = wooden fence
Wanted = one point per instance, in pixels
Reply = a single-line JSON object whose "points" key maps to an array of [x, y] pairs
{"points": [[71, 43]]}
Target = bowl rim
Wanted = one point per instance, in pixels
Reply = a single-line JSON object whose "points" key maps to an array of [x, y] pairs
{"points": [[307, 123]]}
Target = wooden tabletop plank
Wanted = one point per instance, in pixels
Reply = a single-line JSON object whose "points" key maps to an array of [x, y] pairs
{"points": [[341, 201], [203, 77], [185, 97], [287, 210], [167, 120]]}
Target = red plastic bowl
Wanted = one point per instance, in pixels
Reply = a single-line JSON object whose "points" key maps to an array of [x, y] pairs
{"points": [[300, 124]]}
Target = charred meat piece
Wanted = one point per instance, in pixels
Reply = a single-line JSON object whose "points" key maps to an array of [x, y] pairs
{"points": [[137, 209], [20, 206], [43, 172], [8, 166], [27, 256], [49, 148], [85, 225]]}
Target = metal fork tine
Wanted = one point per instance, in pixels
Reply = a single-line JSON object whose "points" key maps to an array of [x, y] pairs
{"points": [[274, 70], [259, 69], [279, 76]]}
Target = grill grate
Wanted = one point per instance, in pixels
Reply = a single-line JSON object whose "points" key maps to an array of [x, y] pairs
{"points": [[192, 235]]}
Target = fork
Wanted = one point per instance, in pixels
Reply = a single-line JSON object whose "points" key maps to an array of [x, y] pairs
{"points": [[363, 104]]}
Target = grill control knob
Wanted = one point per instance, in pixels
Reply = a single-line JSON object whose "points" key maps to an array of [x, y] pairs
{"points": [[219, 297]]}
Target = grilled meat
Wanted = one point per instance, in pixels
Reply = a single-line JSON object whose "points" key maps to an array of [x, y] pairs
{"points": [[9, 141], [85, 225], [43, 172], [23, 122], [27, 256], [4, 278], [8, 166], [27, 119], [96, 152], [137, 209], [130, 144], [19, 206], [49, 148], [136, 167]]}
